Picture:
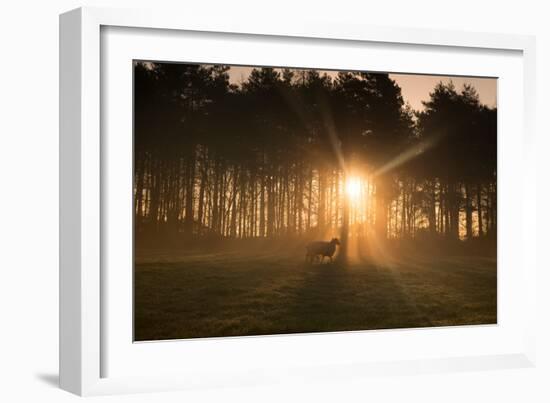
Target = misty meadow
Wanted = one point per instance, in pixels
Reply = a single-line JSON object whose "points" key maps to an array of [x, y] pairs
{"points": [[277, 200]]}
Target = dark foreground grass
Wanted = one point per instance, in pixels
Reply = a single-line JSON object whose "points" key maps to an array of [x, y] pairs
{"points": [[234, 294]]}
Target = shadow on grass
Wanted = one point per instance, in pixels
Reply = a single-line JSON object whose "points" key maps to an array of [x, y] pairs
{"points": [[352, 296]]}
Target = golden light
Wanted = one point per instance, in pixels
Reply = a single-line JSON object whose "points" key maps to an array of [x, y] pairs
{"points": [[353, 188]]}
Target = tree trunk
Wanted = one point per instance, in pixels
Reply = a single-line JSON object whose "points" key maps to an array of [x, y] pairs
{"points": [[262, 205], [432, 217], [469, 210], [189, 190], [270, 207], [322, 203], [344, 234], [479, 212], [233, 227], [202, 188], [454, 210], [215, 199], [139, 174], [309, 199], [381, 223]]}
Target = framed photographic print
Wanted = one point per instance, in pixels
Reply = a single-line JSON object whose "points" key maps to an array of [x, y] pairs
{"points": [[245, 203], [280, 200]]}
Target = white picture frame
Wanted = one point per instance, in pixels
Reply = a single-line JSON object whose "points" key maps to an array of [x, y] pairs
{"points": [[90, 338]]}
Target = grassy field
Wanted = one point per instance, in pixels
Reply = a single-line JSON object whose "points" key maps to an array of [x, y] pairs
{"points": [[200, 294]]}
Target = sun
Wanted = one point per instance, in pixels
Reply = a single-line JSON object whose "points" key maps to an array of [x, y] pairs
{"points": [[353, 188]]}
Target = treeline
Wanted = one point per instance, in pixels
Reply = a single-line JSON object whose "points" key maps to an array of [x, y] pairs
{"points": [[276, 156]]}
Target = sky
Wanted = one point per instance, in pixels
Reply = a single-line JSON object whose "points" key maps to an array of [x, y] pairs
{"points": [[415, 88]]}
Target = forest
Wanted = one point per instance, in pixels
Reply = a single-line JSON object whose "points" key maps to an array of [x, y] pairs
{"points": [[301, 154]]}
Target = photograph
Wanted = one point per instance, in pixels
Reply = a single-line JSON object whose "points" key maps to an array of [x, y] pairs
{"points": [[275, 200]]}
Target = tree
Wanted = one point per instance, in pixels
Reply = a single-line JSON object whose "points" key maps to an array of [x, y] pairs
{"points": [[271, 158]]}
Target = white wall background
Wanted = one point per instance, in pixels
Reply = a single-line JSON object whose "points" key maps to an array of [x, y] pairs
{"points": [[29, 200]]}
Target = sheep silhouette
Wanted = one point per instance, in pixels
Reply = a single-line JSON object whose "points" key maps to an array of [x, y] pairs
{"points": [[321, 249]]}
